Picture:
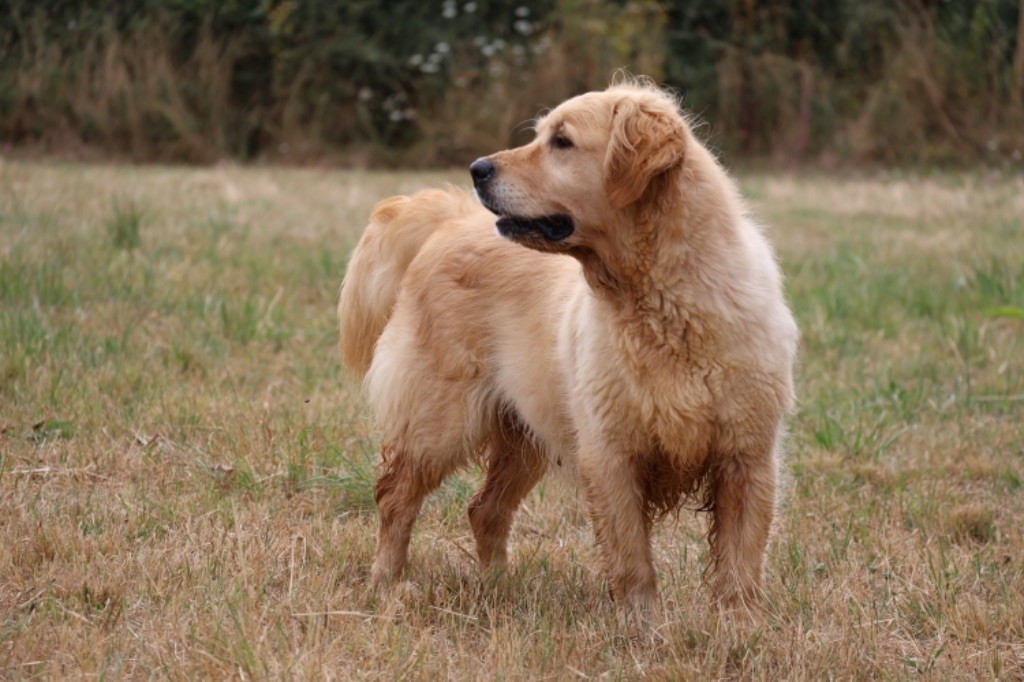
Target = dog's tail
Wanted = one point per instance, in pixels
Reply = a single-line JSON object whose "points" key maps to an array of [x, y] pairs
{"points": [[398, 228]]}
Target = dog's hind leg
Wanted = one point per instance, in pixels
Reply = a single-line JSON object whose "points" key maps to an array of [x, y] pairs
{"points": [[743, 503], [419, 452], [401, 489], [514, 466]]}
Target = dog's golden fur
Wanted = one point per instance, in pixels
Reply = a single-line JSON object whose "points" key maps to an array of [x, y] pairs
{"points": [[651, 349]]}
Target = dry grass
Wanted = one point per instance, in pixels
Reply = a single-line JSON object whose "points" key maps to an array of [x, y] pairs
{"points": [[185, 477]]}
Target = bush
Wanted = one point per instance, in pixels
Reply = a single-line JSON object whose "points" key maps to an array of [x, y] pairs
{"points": [[419, 83], [869, 80]]}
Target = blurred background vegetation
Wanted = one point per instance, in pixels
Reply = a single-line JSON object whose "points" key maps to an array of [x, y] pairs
{"points": [[436, 82]]}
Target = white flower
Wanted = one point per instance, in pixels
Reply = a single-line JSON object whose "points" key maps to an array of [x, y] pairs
{"points": [[416, 59], [524, 27], [429, 67], [395, 116], [522, 12], [443, 48], [449, 12], [365, 94], [469, 7], [488, 50]]}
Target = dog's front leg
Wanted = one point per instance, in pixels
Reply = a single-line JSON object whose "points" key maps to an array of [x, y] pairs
{"points": [[622, 527], [744, 488]]}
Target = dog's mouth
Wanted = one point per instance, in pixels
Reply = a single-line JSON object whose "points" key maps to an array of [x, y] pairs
{"points": [[552, 228], [549, 228]]}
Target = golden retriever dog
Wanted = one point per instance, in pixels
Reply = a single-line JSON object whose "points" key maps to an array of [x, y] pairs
{"points": [[607, 306]]}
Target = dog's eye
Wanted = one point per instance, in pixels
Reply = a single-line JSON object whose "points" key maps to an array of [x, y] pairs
{"points": [[561, 142]]}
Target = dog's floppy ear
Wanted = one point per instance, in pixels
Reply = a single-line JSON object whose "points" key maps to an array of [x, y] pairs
{"points": [[647, 138]]}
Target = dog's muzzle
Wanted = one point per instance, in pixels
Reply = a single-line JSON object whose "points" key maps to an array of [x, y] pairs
{"points": [[550, 228]]}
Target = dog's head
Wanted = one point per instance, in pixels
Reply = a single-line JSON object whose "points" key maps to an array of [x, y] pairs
{"points": [[595, 158]]}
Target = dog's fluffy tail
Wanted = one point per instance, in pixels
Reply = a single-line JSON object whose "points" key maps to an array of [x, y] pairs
{"points": [[398, 228]]}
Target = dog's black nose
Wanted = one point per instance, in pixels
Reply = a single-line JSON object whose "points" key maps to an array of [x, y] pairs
{"points": [[481, 170]]}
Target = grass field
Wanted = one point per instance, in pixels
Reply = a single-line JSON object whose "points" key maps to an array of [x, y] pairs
{"points": [[186, 471]]}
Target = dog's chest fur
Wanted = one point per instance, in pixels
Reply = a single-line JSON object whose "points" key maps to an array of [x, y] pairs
{"points": [[656, 396]]}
